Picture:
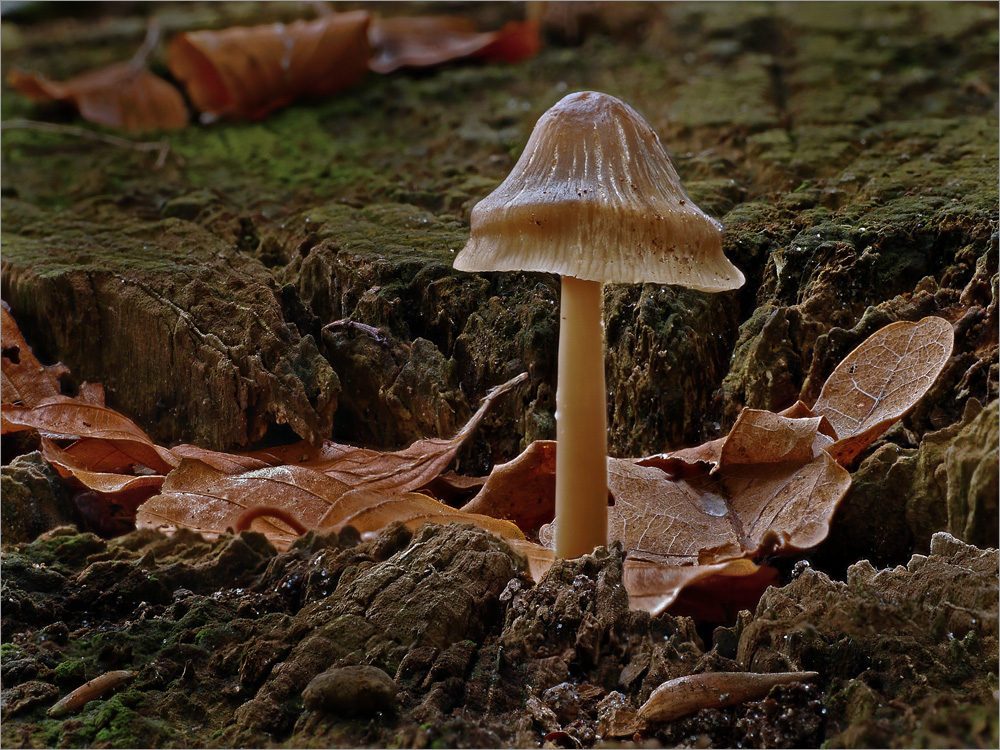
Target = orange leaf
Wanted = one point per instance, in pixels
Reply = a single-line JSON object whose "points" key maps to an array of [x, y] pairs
{"points": [[199, 497], [516, 41], [881, 380], [78, 465], [369, 511], [522, 490], [425, 41], [25, 379], [64, 417], [122, 95], [247, 72]]}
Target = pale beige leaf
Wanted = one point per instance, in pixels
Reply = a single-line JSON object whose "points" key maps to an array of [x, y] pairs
{"points": [[762, 437], [369, 511], [881, 380]]}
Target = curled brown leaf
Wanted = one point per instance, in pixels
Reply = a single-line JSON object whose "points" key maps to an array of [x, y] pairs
{"points": [[123, 95], [25, 380], [247, 72]]}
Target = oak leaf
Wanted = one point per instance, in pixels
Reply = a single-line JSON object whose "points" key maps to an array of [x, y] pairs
{"points": [[881, 380], [123, 95], [247, 72]]}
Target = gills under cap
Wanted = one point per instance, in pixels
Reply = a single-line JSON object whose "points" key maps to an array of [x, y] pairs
{"points": [[594, 196]]}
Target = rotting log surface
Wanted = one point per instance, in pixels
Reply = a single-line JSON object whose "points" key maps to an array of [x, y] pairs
{"points": [[850, 152]]}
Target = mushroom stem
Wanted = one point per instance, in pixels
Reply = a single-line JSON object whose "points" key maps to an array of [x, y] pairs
{"points": [[581, 422]]}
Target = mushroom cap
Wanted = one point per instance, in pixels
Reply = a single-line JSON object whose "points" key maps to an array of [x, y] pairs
{"points": [[595, 196]]}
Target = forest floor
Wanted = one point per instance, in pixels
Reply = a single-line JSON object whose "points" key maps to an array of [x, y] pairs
{"points": [[850, 152]]}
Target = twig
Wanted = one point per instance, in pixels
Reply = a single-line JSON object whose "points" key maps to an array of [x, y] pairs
{"points": [[162, 148], [141, 56], [372, 331]]}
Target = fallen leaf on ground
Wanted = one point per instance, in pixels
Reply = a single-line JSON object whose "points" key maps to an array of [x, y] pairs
{"points": [[321, 488], [199, 497], [369, 511], [686, 695], [881, 380], [522, 490], [62, 417], [433, 40], [123, 95], [733, 512], [130, 488], [24, 378], [399, 471], [204, 499], [228, 463], [247, 72]]}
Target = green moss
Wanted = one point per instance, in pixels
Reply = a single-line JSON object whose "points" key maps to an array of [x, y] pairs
{"points": [[65, 553], [70, 673]]}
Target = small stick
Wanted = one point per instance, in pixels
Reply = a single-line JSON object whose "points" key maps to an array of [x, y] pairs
{"points": [[268, 511], [372, 331], [141, 57], [685, 695], [88, 691], [162, 148]]}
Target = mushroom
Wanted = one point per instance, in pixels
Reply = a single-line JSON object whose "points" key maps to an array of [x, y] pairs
{"points": [[594, 198]]}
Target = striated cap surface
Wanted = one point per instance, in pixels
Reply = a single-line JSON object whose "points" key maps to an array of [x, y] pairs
{"points": [[594, 196]]}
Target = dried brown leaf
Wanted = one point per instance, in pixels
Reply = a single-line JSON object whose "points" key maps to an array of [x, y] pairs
{"points": [[247, 72], [522, 490], [202, 498], [369, 511], [881, 380], [686, 695], [398, 471], [123, 95], [433, 40], [762, 437], [120, 481], [25, 379], [61, 417], [228, 463], [736, 512]]}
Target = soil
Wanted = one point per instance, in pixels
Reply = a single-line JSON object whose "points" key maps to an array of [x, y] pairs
{"points": [[850, 152]]}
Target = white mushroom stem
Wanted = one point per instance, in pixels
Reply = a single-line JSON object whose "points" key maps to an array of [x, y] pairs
{"points": [[581, 423]]}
